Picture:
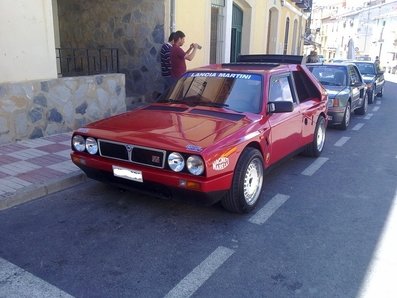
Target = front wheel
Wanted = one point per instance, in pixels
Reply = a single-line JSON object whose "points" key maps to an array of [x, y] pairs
{"points": [[380, 93], [315, 148], [247, 182], [346, 117], [371, 97], [363, 109]]}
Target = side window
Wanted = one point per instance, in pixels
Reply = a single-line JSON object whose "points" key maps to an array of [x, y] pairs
{"points": [[353, 74], [356, 74], [305, 88], [280, 89]]}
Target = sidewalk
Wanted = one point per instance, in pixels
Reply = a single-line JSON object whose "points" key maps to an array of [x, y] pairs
{"points": [[33, 168]]}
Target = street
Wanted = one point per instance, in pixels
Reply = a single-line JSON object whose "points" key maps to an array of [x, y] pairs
{"points": [[316, 232]]}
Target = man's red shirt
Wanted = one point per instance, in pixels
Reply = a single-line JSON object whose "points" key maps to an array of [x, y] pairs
{"points": [[178, 63]]}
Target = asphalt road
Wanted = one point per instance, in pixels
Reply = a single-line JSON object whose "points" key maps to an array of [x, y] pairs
{"points": [[317, 232]]}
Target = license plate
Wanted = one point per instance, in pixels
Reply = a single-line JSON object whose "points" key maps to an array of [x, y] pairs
{"points": [[129, 174]]}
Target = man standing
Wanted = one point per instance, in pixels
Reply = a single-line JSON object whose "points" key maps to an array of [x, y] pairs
{"points": [[178, 56], [165, 57], [377, 63]]}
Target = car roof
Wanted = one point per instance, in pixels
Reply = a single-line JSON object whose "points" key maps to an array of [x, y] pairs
{"points": [[363, 62], [258, 63], [331, 64]]}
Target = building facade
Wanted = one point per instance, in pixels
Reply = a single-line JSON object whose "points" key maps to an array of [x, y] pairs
{"points": [[369, 26]]}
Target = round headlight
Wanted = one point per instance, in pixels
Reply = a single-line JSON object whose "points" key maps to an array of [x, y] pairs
{"points": [[176, 162], [78, 143], [195, 165], [91, 145]]}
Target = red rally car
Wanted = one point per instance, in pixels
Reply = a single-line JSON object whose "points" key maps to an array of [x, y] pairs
{"points": [[213, 135]]}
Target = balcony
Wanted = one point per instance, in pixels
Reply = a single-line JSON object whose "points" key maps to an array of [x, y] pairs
{"points": [[303, 4]]}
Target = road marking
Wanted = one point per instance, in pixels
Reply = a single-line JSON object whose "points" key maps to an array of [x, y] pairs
{"points": [[195, 279], [268, 210], [310, 170], [358, 126], [375, 109], [341, 141], [16, 282], [378, 102], [380, 279], [368, 116]]}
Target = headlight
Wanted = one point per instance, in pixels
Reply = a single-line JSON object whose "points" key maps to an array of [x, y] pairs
{"points": [[336, 102], [91, 145], [176, 162], [78, 143], [195, 165]]}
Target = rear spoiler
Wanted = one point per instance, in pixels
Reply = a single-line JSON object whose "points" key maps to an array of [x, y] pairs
{"points": [[272, 58]]}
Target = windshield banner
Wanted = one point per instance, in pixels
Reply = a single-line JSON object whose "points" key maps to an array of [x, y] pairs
{"points": [[230, 75]]}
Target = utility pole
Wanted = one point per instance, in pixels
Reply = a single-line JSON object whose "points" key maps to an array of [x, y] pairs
{"points": [[381, 38]]}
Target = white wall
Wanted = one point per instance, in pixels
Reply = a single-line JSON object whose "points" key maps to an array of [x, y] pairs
{"points": [[27, 46]]}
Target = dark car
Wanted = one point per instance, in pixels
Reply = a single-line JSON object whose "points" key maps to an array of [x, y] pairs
{"points": [[373, 77], [212, 136], [346, 91]]}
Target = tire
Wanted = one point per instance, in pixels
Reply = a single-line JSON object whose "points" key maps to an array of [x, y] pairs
{"points": [[363, 110], [346, 117], [315, 148], [247, 182], [371, 97], [380, 93]]}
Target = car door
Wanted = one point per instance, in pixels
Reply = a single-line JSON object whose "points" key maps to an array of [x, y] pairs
{"points": [[286, 128], [357, 86]]}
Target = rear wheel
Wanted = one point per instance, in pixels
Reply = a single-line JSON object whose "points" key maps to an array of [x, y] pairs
{"points": [[346, 117], [247, 182], [315, 148]]}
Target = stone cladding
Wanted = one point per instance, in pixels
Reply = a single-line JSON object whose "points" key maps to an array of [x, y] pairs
{"points": [[34, 109]]}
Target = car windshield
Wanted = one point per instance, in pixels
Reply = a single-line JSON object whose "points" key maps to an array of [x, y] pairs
{"points": [[366, 68], [329, 75], [235, 91]]}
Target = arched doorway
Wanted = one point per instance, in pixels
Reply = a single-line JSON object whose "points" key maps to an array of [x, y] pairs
{"points": [[271, 47], [237, 28], [295, 38], [286, 36]]}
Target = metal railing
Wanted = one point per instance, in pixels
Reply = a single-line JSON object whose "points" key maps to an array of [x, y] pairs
{"points": [[80, 61]]}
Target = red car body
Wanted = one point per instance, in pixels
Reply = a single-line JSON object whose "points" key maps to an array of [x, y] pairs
{"points": [[133, 149]]}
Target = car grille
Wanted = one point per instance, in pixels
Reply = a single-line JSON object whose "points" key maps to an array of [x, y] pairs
{"points": [[131, 153]]}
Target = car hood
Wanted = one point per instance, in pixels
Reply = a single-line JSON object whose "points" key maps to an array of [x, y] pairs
{"points": [[368, 78], [333, 91], [164, 128]]}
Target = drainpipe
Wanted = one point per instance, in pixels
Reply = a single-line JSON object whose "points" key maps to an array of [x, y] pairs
{"points": [[172, 16]]}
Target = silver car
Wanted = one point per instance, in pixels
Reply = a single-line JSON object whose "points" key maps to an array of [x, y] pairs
{"points": [[346, 91], [373, 77]]}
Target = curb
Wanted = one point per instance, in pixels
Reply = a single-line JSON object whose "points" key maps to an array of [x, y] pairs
{"points": [[39, 190]]}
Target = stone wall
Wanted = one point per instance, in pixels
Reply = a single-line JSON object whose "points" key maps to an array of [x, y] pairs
{"points": [[135, 27], [34, 109]]}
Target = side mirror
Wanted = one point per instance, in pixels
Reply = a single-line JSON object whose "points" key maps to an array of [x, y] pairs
{"points": [[356, 84], [280, 107]]}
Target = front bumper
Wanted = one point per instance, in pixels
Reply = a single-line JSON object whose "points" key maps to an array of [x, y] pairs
{"points": [[335, 115], [156, 182]]}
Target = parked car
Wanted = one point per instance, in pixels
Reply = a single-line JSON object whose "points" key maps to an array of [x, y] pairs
{"points": [[373, 77], [212, 136], [346, 91]]}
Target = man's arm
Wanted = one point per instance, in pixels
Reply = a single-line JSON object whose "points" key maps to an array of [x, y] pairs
{"points": [[191, 52]]}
